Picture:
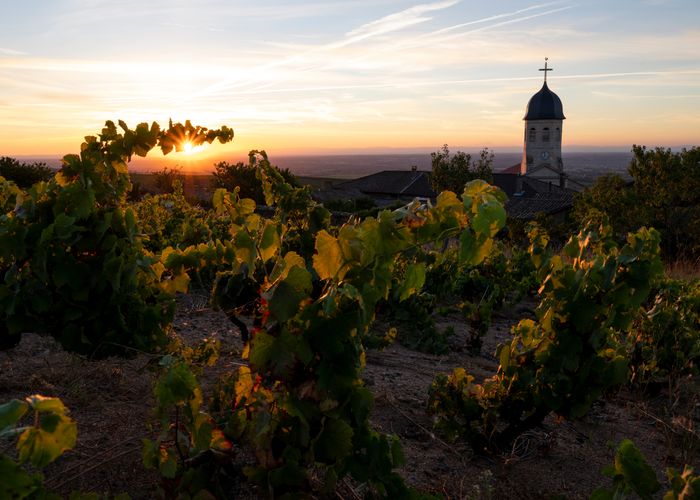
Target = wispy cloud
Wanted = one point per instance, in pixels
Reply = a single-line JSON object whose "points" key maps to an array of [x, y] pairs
{"points": [[384, 25], [396, 21], [11, 52], [397, 50], [631, 74]]}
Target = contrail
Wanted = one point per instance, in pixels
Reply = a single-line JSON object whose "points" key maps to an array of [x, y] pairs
{"points": [[491, 18], [411, 84], [429, 38]]}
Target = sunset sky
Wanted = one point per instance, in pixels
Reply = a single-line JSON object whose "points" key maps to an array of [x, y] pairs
{"points": [[346, 76]]}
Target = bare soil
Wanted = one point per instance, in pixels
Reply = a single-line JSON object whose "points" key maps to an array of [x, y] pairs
{"points": [[112, 402]]}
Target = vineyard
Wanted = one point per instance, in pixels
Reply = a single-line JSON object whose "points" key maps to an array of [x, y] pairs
{"points": [[158, 348]]}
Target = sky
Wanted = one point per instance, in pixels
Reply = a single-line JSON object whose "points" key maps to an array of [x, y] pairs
{"points": [[344, 76]]}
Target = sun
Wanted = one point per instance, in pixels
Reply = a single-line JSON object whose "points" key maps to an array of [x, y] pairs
{"points": [[189, 149]]}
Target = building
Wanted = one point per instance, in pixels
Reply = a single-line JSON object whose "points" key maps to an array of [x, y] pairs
{"points": [[544, 118], [536, 185], [388, 186]]}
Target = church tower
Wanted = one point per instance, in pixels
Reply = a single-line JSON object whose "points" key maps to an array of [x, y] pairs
{"points": [[544, 117]]}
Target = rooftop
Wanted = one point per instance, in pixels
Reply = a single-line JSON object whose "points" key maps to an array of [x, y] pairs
{"points": [[526, 196], [544, 105]]}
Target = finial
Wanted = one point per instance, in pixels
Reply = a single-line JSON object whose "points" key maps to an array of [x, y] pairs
{"points": [[545, 69]]}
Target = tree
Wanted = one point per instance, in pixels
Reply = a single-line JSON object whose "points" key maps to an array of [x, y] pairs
{"points": [[24, 174], [242, 175], [610, 196], [664, 193], [453, 172], [165, 177], [667, 188]]}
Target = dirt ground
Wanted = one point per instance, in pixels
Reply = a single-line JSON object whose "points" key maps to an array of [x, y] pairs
{"points": [[112, 400]]}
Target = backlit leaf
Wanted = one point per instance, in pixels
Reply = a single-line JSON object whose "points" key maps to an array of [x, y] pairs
{"points": [[11, 412], [328, 259]]}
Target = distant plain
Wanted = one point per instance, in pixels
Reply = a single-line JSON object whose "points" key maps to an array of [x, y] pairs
{"points": [[584, 166]]}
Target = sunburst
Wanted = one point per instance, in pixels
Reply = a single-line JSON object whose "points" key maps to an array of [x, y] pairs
{"points": [[189, 149]]}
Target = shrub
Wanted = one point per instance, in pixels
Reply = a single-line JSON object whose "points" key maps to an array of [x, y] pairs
{"points": [[24, 174]]}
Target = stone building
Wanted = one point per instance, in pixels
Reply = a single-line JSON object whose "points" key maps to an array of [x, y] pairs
{"points": [[544, 118]]}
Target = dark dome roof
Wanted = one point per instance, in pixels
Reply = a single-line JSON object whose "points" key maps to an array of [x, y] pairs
{"points": [[544, 105]]}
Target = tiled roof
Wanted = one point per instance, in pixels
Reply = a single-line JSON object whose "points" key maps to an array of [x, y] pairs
{"points": [[397, 183], [529, 208]]}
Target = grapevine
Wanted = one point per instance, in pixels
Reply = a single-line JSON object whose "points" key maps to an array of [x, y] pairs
{"points": [[566, 359], [72, 255], [300, 402], [53, 432], [630, 473]]}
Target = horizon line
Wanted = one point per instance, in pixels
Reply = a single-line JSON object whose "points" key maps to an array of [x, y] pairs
{"points": [[380, 150]]}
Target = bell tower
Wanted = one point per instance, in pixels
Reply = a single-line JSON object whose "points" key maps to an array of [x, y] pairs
{"points": [[544, 118]]}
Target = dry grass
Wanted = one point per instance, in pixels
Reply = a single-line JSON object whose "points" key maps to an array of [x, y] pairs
{"points": [[683, 269]]}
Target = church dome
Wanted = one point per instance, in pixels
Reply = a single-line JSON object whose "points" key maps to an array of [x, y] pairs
{"points": [[544, 105]]}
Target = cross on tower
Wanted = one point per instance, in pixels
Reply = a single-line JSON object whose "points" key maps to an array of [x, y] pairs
{"points": [[545, 69]]}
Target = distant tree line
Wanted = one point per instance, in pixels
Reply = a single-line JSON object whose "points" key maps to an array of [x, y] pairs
{"points": [[24, 174]]}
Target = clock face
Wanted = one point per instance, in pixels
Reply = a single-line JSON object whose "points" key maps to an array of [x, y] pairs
{"points": [[545, 155]]}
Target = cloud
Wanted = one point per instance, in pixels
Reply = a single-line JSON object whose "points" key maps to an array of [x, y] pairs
{"points": [[415, 83], [671, 73], [11, 52], [414, 51], [387, 24], [396, 21]]}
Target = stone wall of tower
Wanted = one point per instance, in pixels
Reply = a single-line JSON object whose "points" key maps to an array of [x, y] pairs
{"points": [[542, 148]]}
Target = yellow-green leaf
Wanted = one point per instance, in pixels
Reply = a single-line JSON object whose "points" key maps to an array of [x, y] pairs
{"points": [[328, 260]]}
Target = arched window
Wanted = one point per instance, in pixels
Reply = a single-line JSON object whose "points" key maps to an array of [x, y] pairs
{"points": [[545, 134], [533, 135]]}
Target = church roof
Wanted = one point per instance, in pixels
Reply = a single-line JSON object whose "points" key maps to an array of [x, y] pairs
{"points": [[544, 105], [514, 169]]}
